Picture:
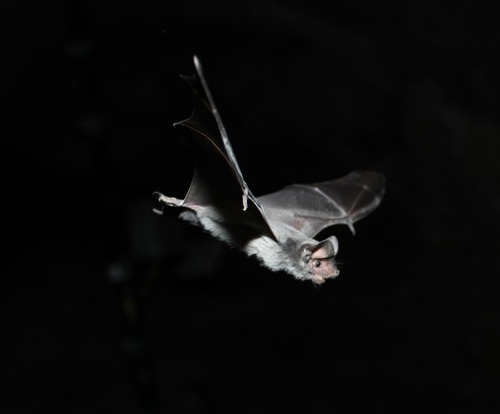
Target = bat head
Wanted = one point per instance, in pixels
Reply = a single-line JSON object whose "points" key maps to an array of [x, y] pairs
{"points": [[320, 260]]}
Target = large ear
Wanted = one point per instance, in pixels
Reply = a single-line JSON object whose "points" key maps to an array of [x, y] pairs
{"points": [[326, 248]]}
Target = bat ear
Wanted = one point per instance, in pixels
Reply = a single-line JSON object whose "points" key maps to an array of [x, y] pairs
{"points": [[335, 243], [326, 248]]}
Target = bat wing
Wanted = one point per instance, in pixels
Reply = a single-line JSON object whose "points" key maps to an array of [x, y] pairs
{"points": [[314, 207], [217, 181]]}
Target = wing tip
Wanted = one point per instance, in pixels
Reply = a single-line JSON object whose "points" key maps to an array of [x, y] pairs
{"points": [[375, 181], [197, 63]]}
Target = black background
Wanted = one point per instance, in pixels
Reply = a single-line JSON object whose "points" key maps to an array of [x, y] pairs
{"points": [[106, 307]]}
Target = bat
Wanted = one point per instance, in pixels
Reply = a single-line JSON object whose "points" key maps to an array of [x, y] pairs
{"points": [[279, 229]]}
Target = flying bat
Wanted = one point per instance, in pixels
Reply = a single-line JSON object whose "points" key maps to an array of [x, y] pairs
{"points": [[277, 228]]}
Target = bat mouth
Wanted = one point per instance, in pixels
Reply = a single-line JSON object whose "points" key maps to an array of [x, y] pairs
{"points": [[331, 273]]}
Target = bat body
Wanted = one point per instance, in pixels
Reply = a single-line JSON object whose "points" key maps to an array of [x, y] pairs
{"points": [[278, 228]]}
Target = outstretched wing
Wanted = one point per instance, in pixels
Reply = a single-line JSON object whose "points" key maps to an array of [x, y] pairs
{"points": [[314, 207], [217, 181]]}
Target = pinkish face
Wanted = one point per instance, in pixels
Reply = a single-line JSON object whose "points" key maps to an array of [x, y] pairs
{"points": [[322, 266]]}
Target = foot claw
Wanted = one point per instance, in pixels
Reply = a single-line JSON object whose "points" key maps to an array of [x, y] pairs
{"points": [[158, 211]]}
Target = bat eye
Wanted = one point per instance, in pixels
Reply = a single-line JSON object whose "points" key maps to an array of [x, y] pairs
{"points": [[317, 263]]}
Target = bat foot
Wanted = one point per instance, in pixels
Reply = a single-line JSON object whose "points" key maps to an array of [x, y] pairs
{"points": [[169, 201]]}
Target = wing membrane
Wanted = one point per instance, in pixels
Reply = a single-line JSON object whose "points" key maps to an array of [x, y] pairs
{"points": [[218, 180], [314, 207]]}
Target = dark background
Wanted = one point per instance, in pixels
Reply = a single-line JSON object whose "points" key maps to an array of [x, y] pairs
{"points": [[106, 307]]}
